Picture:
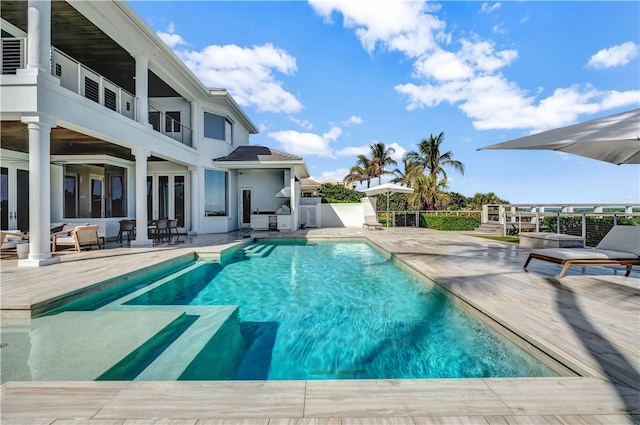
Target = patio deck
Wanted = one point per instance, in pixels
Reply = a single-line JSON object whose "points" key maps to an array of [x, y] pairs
{"points": [[589, 320]]}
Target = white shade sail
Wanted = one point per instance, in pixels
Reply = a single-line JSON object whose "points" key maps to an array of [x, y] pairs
{"points": [[614, 139]]}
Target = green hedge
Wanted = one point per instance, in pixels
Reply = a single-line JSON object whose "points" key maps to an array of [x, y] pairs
{"points": [[449, 222]]}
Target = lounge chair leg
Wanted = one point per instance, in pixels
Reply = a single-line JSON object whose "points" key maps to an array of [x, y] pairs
{"points": [[564, 270], [526, 263]]}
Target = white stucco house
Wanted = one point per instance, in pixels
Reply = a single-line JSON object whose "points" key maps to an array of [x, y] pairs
{"points": [[101, 122]]}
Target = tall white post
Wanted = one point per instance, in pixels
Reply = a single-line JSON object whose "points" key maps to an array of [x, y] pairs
{"points": [[39, 192], [194, 174], [142, 89], [39, 35], [142, 238], [195, 132]]}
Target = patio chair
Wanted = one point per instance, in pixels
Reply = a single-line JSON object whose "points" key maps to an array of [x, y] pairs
{"points": [[619, 247], [78, 237], [172, 228], [9, 239], [371, 221], [127, 227]]}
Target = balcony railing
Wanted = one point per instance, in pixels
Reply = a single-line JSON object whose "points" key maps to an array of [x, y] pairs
{"points": [[84, 81], [78, 78], [169, 126]]}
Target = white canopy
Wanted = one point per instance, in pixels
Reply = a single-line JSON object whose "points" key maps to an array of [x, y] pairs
{"points": [[387, 189], [614, 139]]}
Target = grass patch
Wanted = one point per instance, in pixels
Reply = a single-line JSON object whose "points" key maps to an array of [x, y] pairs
{"points": [[510, 239]]}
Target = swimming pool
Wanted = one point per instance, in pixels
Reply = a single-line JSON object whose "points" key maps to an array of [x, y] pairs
{"points": [[342, 310]]}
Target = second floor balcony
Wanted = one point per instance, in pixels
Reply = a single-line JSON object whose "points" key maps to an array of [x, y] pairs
{"points": [[84, 81]]}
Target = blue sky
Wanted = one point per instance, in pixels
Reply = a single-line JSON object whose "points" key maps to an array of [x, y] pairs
{"points": [[326, 79]]}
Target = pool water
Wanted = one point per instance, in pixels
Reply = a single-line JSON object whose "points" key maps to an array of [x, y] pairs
{"points": [[344, 310]]}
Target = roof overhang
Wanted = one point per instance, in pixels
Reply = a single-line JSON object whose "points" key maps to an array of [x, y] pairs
{"points": [[299, 167]]}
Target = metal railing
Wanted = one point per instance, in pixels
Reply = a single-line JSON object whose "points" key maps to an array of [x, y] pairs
{"points": [[592, 227], [78, 78], [412, 218], [169, 126]]}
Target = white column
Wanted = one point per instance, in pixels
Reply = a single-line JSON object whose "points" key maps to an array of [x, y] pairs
{"points": [[142, 89], [194, 174], [293, 200], [39, 192], [195, 116], [39, 35], [142, 238]]}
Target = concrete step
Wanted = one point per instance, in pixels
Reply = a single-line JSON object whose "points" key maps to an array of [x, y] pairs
{"points": [[83, 345], [196, 353], [258, 250]]}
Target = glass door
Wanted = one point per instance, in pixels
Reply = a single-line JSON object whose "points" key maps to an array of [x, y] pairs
{"points": [[245, 208], [166, 197], [97, 190], [14, 198]]}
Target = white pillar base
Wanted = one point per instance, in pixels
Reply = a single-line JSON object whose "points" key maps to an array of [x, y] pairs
{"points": [[142, 242], [32, 262]]}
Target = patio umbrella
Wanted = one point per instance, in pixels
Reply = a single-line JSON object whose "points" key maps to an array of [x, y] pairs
{"points": [[387, 189], [614, 139]]}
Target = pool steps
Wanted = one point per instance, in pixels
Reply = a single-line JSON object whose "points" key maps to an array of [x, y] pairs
{"points": [[215, 325], [258, 250], [81, 346], [175, 340]]}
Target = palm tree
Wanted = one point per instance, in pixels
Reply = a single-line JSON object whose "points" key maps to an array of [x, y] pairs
{"points": [[411, 171], [381, 158], [480, 199], [429, 157], [367, 169], [429, 192], [362, 171]]}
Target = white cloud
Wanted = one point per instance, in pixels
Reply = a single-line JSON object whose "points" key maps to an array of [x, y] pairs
{"points": [[353, 120], [247, 72], [614, 56], [470, 77], [307, 144], [170, 38], [499, 28], [399, 151], [337, 174], [486, 8], [354, 151], [404, 26], [302, 123]]}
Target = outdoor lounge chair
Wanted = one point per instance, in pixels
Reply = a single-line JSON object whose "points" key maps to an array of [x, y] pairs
{"points": [[78, 237], [619, 247], [371, 221], [10, 239]]}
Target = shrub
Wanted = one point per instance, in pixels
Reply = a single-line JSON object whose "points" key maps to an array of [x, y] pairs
{"points": [[449, 222], [336, 193]]}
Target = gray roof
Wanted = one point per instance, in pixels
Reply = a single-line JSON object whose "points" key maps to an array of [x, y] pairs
{"points": [[258, 153]]}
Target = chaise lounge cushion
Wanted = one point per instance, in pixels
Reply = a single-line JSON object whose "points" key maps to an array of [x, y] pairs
{"points": [[585, 254]]}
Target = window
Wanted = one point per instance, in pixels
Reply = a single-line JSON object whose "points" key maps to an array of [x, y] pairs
{"points": [[213, 126], [172, 123], [217, 127], [95, 191], [215, 193], [71, 196]]}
